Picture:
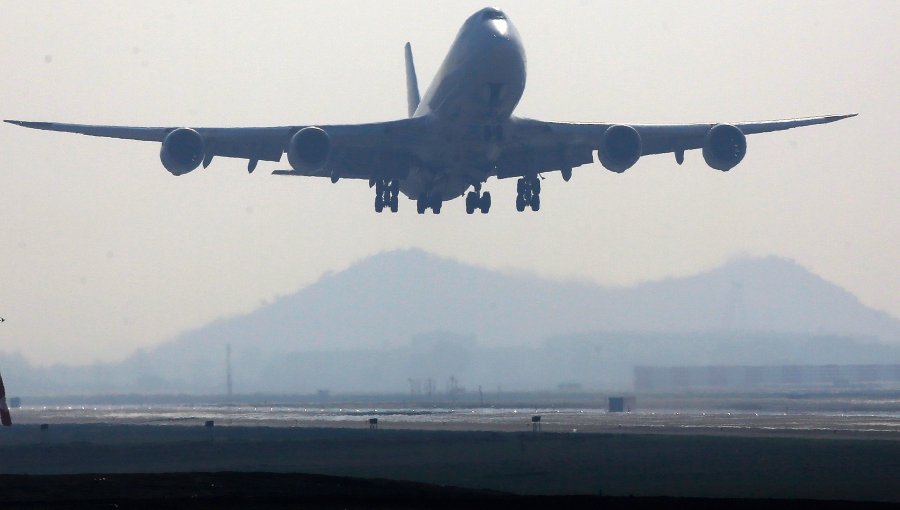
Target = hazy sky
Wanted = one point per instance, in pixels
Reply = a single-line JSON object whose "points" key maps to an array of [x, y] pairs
{"points": [[102, 251]]}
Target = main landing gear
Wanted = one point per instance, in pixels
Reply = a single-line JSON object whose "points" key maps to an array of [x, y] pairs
{"points": [[529, 194], [476, 200], [426, 201], [386, 195]]}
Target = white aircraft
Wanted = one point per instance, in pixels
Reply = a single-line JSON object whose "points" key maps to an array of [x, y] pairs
{"points": [[459, 135]]}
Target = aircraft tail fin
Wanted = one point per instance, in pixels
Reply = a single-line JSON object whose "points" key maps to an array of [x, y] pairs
{"points": [[412, 84], [5, 419]]}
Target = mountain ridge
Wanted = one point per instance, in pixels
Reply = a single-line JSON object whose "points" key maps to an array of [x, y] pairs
{"points": [[408, 314], [430, 293]]}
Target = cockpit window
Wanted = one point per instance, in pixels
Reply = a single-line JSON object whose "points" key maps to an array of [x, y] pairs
{"points": [[492, 14]]}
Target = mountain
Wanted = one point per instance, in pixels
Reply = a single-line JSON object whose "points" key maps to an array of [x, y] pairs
{"points": [[408, 314], [387, 298]]}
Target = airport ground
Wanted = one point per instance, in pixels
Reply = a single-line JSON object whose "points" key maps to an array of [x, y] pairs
{"points": [[725, 450], [523, 463], [278, 490]]}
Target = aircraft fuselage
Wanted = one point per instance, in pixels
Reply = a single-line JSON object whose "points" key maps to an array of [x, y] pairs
{"points": [[470, 99]]}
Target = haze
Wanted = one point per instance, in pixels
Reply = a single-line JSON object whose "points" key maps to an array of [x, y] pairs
{"points": [[102, 251]]}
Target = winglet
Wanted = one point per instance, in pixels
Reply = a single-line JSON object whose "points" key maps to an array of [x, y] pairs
{"points": [[412, 83], [833, 118], [49, 126]]}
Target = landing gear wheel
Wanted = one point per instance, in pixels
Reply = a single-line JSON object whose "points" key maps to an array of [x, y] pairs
{"points": [[529, 194], [471, 202], [436, 202], [422, 203], [386, 194], [485, 203]]}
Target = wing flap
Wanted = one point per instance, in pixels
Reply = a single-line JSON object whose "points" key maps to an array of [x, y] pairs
{"points": [[264, 144]]}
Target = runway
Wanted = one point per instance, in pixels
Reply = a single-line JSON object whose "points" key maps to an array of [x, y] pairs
{"points": [[874, 425], [685, 453]]}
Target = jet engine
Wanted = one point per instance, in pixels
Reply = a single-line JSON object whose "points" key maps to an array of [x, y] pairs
{"points": [[724, 147], [182, 151], [620, 148], [309, 149]]}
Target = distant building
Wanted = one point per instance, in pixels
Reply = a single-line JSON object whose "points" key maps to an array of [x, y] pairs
{"points": [[622, 404], [766, 377]]}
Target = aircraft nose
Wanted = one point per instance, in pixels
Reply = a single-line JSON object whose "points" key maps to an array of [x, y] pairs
{"points": [[499, 27], [495, 21]]}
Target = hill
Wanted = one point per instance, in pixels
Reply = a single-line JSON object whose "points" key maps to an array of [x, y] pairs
{"points": [[387, 298], [405, 314]]}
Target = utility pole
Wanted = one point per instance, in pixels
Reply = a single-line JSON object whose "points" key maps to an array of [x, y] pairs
{"points": [[228, 370]]}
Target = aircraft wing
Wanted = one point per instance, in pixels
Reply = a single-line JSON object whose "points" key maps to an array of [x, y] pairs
{"points": [[358, 149], [559, 145]]}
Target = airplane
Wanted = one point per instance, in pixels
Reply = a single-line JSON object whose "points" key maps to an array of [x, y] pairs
{"points": [[458, 135]]}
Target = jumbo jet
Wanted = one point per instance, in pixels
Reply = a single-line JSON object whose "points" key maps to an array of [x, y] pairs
{"points": [[456, 137]]}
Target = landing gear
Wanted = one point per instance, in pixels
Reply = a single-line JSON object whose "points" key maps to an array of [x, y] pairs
{"points": [[422, 203], [529, 194], [386, 195], [474, 200], [436, 202], [433, 202]]}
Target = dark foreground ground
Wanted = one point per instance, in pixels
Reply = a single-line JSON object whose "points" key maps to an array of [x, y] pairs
{"points": [[273, 490], [481, 464]]}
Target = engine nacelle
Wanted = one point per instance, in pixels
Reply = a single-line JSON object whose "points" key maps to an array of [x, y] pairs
{"points": [[182, 151], [620, 148], [309, 149], [724, 147]]}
